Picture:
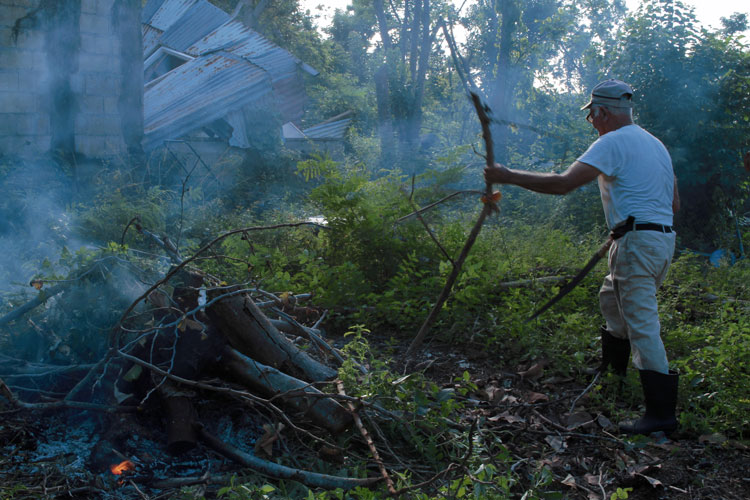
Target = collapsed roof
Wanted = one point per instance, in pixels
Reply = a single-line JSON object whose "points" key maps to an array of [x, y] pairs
{"points": [[333, 129], [201, 66]]}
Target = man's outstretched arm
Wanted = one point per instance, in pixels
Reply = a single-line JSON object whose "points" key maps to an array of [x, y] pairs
{"points": [[575, 176]]}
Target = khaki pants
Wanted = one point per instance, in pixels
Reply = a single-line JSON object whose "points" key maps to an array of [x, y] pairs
{"points": [[638, 264]]}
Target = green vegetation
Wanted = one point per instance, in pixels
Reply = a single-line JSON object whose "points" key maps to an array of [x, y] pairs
{"points": [[379, 278], [378, 271]]}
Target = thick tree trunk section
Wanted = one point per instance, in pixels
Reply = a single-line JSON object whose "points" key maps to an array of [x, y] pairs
{"points": [[385, 124], [249, 331], [180, 417], [267, 381]]}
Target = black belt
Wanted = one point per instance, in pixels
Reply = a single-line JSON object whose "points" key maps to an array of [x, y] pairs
{"points": [[650, 226], [630, 225]]}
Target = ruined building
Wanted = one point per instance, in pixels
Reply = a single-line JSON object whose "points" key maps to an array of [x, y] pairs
{"points": [[70, 77], [109, 78], [213, 81]]}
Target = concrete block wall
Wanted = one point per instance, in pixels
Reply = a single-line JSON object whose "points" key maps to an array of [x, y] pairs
{"points": [[24, 123], [98, 127], [91, 77]]}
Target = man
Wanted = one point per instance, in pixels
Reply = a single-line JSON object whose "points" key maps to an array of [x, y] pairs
{"points": [[636, 180]]}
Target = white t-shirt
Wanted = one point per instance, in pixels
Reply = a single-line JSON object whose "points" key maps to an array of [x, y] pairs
{"points": [[636, 176]]}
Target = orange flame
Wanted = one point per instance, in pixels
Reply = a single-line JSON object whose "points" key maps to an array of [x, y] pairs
{"points": [[118, 469]]}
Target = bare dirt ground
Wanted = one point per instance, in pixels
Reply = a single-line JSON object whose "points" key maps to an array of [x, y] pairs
{"points": [[529, 408]]}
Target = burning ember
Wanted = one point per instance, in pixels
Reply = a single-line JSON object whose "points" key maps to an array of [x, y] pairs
{"points": [[118, 469]]}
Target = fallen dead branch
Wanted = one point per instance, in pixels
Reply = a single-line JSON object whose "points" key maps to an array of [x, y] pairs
{"points": [[370, 443], [250, 332], [268, 381], [277, 471], [42, 297]]}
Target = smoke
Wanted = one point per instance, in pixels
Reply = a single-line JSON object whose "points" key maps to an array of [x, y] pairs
{"points": [[34, 223]]}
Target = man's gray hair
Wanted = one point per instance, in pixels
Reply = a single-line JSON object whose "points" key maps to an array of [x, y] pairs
{"points": [[617, 111]]}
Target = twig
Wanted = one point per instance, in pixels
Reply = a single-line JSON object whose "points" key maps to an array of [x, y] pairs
{"points": [[125, 231], [487, 209], [383, 438], [316, 326], [174, 254], [89, 376], [182, 206], [368, 440], [577, 434], [550, 422], [314, 337], [140, 493], [275, 301], [601, 486], [421, 485], [436, 203], [8, 394], [587, 389], [179, 482], [533, 281], [418, 213], [26, 369], [467, 455]]}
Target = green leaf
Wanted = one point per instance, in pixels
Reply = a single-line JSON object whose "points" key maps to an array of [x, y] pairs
{"points": [[133, 373]]}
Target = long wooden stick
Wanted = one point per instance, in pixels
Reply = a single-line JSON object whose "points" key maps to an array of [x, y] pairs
{"points": [[487, 209]]}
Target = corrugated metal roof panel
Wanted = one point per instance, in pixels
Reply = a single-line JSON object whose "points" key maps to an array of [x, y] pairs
{"points": [[290, 97], [227, 35], [332, 130], [199, 92], [161, 14], [290, 131], [277, 61], [255, 45], [199, 21], [151, 37], [148, 10], [242, 41], [234, 66], [236, 38]]}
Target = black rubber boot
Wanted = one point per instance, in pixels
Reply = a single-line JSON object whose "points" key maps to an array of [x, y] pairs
{"points": [[660, 393], [615, 352]]}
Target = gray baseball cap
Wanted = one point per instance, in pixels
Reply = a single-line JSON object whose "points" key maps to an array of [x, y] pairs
{"points": [[612, 93]]}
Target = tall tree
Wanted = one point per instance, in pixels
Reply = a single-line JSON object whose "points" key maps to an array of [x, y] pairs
{"points": [[512, 43], [692, 91], [407, 31]]}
